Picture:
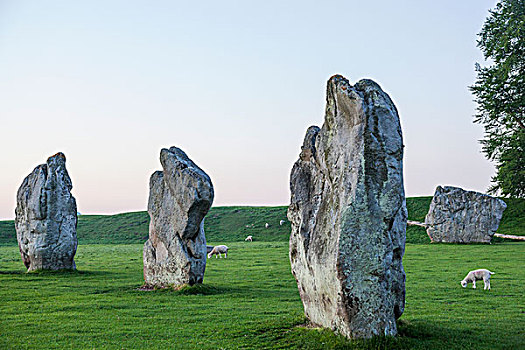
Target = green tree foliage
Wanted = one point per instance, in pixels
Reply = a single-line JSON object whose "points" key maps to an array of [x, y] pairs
{"points": [[500, 94]]}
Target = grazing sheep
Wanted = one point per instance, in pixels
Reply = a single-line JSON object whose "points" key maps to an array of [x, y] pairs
{"points": [[217, 250], [477, 275], [267, 225], [281, 222], [249, 238]]}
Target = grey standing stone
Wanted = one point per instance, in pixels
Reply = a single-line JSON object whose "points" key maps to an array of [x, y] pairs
{"points": [[46, 217], [348, 214], [179, 198], [459, 216]]}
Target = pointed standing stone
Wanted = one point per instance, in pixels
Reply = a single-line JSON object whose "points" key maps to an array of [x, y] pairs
{"points": [[180, 196], [46, 217], [348, 214]]}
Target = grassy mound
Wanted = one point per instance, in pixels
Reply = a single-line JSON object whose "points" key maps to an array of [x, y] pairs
{"points": [[222, 224], [233, 224]]}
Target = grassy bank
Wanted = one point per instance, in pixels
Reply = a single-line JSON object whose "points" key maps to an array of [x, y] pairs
{"points": [[250, 300], [225, 224], [233, 224]]}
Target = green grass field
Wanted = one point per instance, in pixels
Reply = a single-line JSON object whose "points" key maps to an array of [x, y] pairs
{"points": [[249, 300]]}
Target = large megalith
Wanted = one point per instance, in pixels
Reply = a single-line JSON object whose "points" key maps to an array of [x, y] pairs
{"points": [[46, 217], [348, 214], [179, 198], [459, 216]]}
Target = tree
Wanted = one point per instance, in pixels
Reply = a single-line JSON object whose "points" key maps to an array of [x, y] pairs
{"points": [[500, 95]]}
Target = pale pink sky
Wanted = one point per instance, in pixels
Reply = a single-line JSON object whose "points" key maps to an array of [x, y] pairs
{"points": [[234, 84]]}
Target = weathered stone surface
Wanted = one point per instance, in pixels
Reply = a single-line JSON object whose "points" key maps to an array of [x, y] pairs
{"points": [[348, 214], [459, 216], [46, 217], [180, 196]]}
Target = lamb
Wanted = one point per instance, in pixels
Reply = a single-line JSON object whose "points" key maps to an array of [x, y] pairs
{"points": [[281, 222], [249, 238], [267, 225], [217, 250], [477, 275]]}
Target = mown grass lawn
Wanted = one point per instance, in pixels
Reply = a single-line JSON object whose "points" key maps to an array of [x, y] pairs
{"points": [[250, 301]]}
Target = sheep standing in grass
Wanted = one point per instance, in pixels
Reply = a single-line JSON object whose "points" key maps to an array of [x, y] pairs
{"points": [[477, 275], [217, 250], [267, 225], [281, 222], [249, 239]]}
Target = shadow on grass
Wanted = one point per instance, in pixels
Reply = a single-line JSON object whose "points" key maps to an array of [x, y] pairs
{"points": [[197, 289], [434, 335], [40, 272], [13, 272], [245, 293], [309, 337], [411, 335], [66, 272], [56, 273]]}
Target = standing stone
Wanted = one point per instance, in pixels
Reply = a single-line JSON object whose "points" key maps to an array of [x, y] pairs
{"points": [[348, 214], [46, 217], [459, 216], [179, 198]]}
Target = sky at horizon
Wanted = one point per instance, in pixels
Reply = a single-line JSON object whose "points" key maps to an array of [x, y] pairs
{"points": [[235, 84]]}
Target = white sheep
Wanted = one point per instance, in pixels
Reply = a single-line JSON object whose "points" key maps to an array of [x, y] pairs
{"points": [[281, 222], [249, 238], [217, 250], [477, 275], [267, 225]]}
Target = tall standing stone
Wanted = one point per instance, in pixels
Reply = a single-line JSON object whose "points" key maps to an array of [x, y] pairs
{"points": [[46, 217], [459, 216], [348, 214], [179, 198]]}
